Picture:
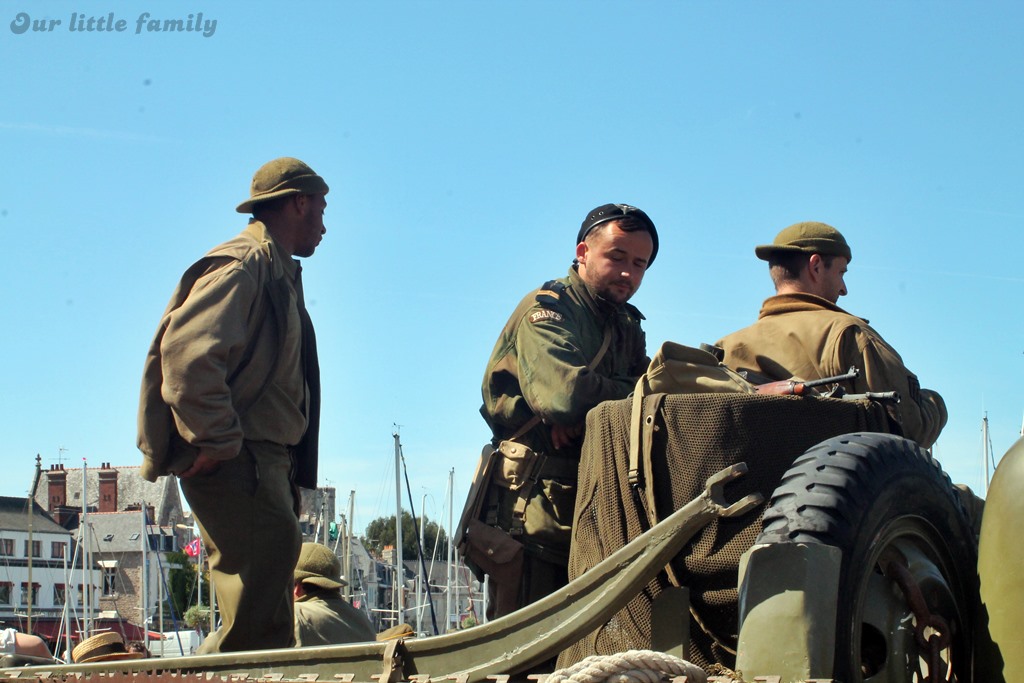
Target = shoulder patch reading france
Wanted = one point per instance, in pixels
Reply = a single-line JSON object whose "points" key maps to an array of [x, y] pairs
{"points": [[545, 314]]}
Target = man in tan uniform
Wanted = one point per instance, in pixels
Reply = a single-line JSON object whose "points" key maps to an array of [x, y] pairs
{"points": [[322, 616], [801, 332], [231, 400]]}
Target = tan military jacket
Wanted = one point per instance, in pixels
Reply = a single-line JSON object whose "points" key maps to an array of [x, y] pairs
{"points": [[805, 336], [326, 619], [234, 357]]}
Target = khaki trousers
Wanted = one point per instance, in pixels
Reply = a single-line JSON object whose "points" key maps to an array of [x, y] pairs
{"points": [[246, 515]]}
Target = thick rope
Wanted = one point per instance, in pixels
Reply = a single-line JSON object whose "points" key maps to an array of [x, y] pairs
{"points": [[634, 666]]}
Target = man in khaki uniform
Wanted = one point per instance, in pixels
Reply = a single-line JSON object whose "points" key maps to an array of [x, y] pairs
{"points": [[801, 332], [322, 616], [568, 346], [230, 403]]}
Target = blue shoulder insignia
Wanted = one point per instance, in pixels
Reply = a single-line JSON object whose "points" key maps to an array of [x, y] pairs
{"points": [[550, 293]]}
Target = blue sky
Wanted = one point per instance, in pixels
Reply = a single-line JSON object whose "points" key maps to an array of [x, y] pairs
{"points": [[464, 142]]}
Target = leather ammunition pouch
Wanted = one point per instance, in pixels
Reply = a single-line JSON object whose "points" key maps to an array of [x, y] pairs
{"points": [[518, 465], [489, 550], [486, 548], [516, 468]]}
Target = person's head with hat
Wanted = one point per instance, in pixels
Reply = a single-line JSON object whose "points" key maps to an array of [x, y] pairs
{"points": [[615, 246], [809, 258], [103, 647], [289, 198], [317, 571]]}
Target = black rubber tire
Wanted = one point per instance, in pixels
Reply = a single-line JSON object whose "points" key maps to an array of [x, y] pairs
{"points": [[870, 495]]}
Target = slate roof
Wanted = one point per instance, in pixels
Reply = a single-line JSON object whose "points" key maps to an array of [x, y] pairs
{"points": [[14, 517], [120, 532], [131, 490]]}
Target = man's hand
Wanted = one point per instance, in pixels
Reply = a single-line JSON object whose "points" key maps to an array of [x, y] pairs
{"points": [[203, 466], [563, 436]]}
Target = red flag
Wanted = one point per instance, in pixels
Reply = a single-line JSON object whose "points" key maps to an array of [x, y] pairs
{"points": [[192, 549]]}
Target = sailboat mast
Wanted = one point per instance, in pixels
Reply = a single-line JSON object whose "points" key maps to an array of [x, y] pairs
{"points": [[349, 523], [399, 597], [67, 596], [985, 450], [451, 551], [144, 598], [31, 511], [86, 555]]}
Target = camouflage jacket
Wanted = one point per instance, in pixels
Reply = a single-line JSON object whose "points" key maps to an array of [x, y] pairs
{"points": [[805, 336], [539, 363]]}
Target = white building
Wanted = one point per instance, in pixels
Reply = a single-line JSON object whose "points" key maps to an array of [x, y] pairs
{"points": [[39, 593]]}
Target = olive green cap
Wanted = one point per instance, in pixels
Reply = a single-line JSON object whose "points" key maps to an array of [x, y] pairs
{"points": [[282, 177], [319, 566], [808, 237]]}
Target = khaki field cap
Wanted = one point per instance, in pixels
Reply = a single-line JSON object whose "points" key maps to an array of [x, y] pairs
{"points": [[282, 177], [104, 647], [808, 237], [319, 566]]}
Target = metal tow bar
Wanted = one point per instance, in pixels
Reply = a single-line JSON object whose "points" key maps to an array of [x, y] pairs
{"points": [[714, 490]]}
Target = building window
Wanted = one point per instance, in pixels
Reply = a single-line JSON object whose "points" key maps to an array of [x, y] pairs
{"points": [[81, 595], [60, 594], [57, 550], [7, 547], [37, 548], [109, 581], [5, 592], [25, 596]]}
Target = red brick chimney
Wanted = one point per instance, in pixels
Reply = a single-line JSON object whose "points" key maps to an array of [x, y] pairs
{"points": [[57, 485], [108, 488]]}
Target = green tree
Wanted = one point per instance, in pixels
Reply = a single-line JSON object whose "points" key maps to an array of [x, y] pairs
{"points": [[181, 582], [198, 617], [381, 532]]}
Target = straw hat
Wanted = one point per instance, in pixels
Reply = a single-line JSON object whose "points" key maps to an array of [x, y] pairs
{"points": [[104, 647]]}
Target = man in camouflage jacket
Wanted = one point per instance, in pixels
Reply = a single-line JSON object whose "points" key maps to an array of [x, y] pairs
{"points": [[542, 380]]}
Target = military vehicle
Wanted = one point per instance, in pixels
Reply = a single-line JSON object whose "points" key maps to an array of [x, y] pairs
{"points": [[763, 538]]}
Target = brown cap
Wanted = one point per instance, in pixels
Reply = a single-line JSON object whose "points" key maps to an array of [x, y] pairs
{"points": [[282, 177], [319, 566], [808, 237], [103, 647]]}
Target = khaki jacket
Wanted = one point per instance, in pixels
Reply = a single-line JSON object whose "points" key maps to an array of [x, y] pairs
{"points": [[326, 619], [214, 355], [805, 336]]}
